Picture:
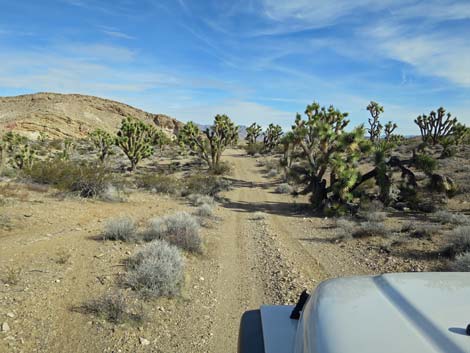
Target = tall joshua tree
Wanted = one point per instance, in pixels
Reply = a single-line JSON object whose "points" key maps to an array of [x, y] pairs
{"points": [[328, 147], [375, 130], [135, 138], [210, 143], [253, 132]]}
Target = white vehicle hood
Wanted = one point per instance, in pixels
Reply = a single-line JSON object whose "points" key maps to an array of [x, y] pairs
{"points": [[406, 313]]}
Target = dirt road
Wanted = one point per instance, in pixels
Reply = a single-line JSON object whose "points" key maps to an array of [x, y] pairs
{"points": [[261, 248]]}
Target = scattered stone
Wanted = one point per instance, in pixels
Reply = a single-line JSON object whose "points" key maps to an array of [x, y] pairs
{"points": [[144, 341], [5, 327], [11, 315]]}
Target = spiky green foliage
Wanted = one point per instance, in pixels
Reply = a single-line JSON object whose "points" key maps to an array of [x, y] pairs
{"points": [[135, 138], [376, 127], [210, 144], [24, 157], [104, 142], [252, 133], [425, 163], [328, 147], [272, 137], [388, 131], [67, 148], [43, 136], [436, 126]]}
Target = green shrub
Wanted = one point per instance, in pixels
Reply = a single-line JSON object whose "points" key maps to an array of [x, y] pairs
{"points": [[160, 183], [254, 148], [86, 179], [157, 270], [425, 163], [205, 185]]}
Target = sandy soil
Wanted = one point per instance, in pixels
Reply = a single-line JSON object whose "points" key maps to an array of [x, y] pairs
{"points": [[262, 247]]}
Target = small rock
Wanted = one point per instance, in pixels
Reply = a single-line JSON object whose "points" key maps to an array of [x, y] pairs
{"points": [[28, 215], [57, 281], [11, 315], [144, 341], [5, 327], [201, 278]]}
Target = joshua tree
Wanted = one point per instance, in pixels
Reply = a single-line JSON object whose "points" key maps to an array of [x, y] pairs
{"points": [[104, 142], [24, 157], [253, 132], [436, 126], [375, 129], [389, 128], [135, 138], [272, 137], [210, 144], [67, 149], [327, 146]]}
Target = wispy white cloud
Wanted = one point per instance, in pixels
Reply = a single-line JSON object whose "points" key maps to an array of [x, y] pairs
{"points": [[117, 34]]}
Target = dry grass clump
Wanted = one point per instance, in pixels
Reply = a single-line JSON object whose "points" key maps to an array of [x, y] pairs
{"points": [[258, 216], [272, 173], [157, 270], [344, 228], [370, 229], [204, 211], [180, 229], [122, 228], [458, 241], [5, 222], [112, 307], [198, 200], [461, 262], [453, 218], [421, 230], [113, 194], [284, 189], [12, 275], [374, 216]]}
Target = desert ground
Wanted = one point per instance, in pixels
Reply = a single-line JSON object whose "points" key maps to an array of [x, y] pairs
{"points": [[261, 247]]}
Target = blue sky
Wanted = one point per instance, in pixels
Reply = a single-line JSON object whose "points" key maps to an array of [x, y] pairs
{"points": [[260, 60]]}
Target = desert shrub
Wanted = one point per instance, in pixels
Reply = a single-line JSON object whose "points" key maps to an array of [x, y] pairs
{"points": [[272, 173], [258, 216], [345, 228], [87, 179], [253, 149], [461, 262], [373, 216], [180, 229], [370, 229], [425, 163], [205, 185], [160, 183], [458, 241], [420, 230], [157, 270], [12, 275], [122, 228], [113, 194], [199, 200], [204, 210], [284, 189], [447, 217], [221, 169], [5, 221], [112, 307]]}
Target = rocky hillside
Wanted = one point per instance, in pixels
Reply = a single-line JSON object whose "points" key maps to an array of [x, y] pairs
{"points": [[71, 115]]}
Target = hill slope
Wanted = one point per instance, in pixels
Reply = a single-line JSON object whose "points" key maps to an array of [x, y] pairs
{"points": [[71, 115]]}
